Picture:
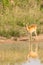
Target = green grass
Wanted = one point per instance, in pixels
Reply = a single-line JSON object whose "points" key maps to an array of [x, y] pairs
{"points": [[14, 26], [14, 16]]}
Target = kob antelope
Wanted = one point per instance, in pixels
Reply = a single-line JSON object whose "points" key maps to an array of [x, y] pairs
{"points": [[32, 28]]}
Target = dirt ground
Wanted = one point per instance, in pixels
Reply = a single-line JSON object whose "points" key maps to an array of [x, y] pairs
{"points": [[25, 38]]}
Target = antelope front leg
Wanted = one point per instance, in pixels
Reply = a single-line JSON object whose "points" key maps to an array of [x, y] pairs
{"points": [[31, 42], [36, 43], [36, 47]]}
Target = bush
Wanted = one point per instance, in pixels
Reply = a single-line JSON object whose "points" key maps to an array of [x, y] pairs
{"points": [[38, 31], [19, 23], [5, 33], [9, 33], [14, 33]]}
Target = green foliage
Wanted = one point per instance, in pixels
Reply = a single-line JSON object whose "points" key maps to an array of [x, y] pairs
{"points": [[41, 7], [10, 33], [5, 3], [38, 32], [5, 34], [14, 18], [14, 33], [20, 23], [38, 0], [21, 3]]}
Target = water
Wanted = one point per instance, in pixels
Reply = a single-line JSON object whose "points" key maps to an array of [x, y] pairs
{"points": [[32, 62]]}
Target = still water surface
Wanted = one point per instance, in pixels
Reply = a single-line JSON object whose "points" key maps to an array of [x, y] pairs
{"points": [[32, 62]]}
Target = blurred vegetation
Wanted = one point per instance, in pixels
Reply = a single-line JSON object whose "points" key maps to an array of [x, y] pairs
{"points": [[15, 14]]}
